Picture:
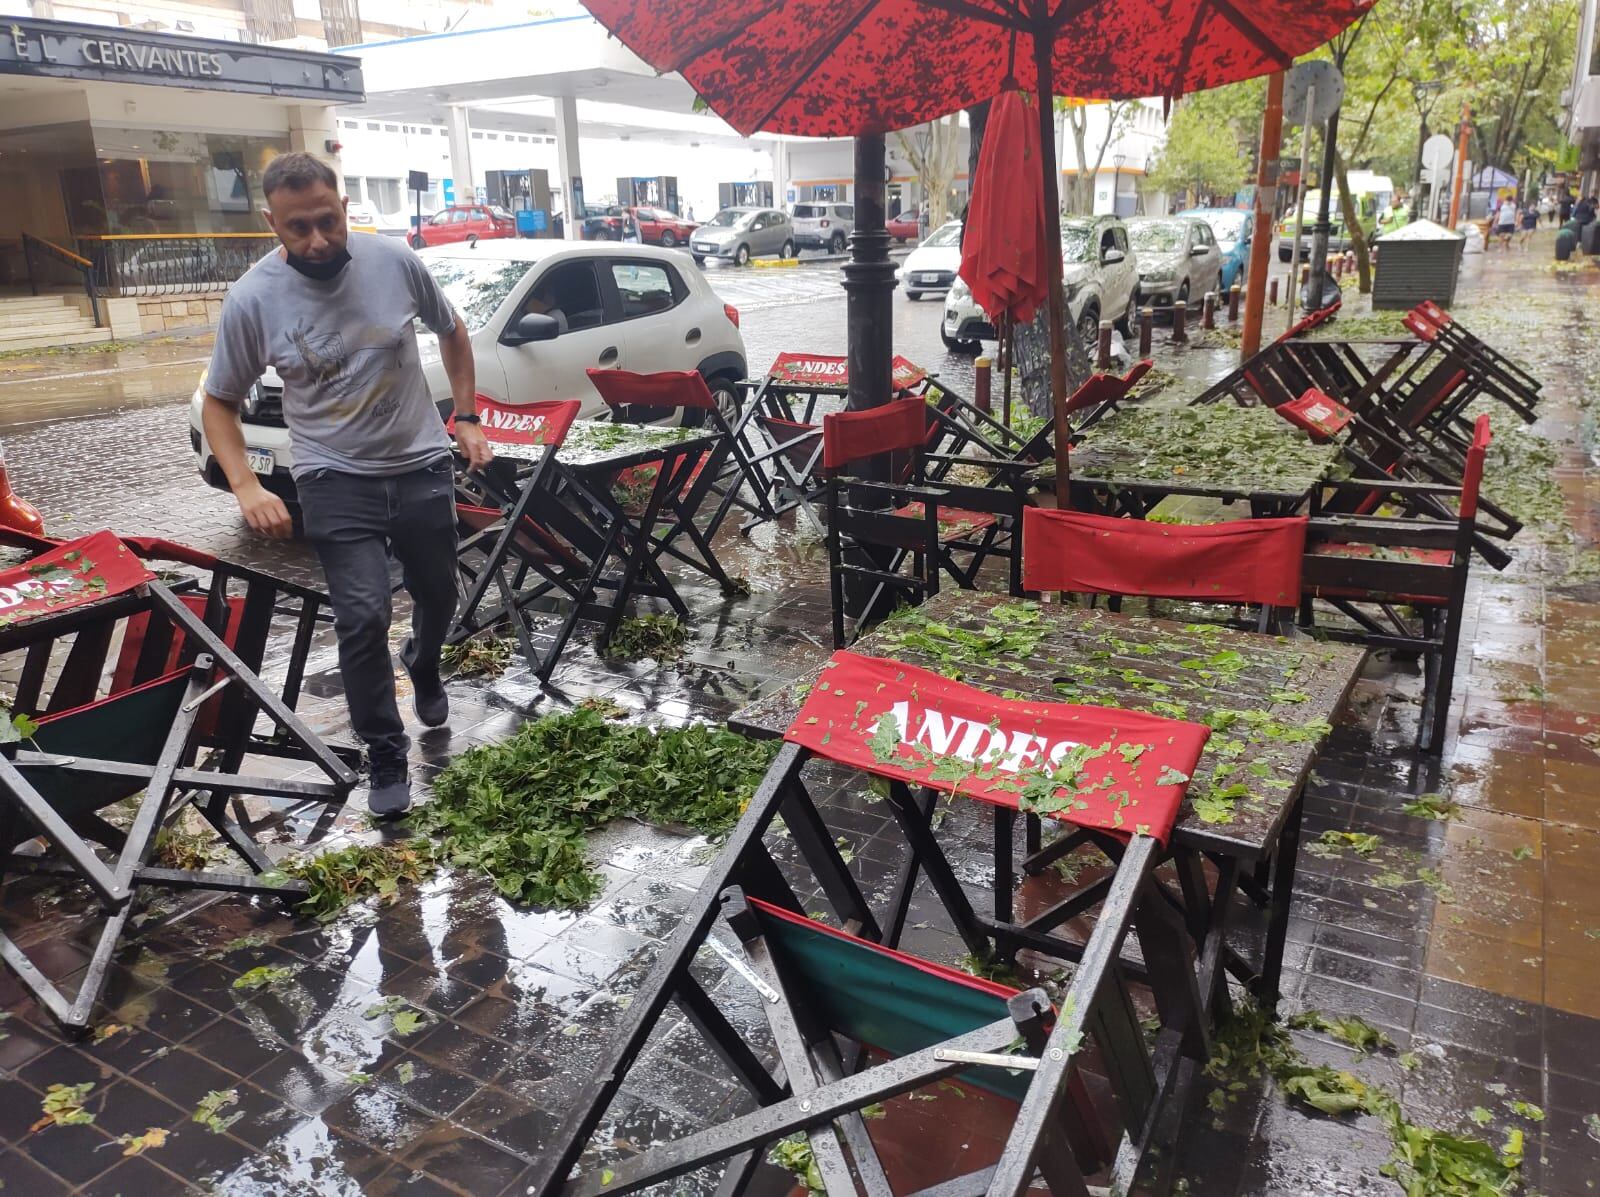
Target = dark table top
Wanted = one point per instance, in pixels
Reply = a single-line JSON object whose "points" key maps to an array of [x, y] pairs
{"points": [[1218, 449], [1270, 700], [595, 445]]}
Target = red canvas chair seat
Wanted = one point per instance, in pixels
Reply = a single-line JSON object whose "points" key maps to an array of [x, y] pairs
{"points": [[1321, 415], [954, 524], [532, 539], [1243, 561]]}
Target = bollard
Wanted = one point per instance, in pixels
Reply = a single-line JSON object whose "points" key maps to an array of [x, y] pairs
{"points": [[1180, 315], [1102, 357], [982, 394], [1336, 268], [1272, 293], [1305, 276], [1208, 310], [1233, 303], [1147, 318]]}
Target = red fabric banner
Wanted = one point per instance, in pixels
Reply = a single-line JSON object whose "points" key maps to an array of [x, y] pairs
{"points": [[1323, 416], [1243, 561], [1122, 771], [897, 426], [665, 388], [81, 571], [1472, 476], [528, 425], [825, 370]]}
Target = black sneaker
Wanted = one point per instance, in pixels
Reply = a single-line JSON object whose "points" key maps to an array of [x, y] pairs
{"points": [[427, 689], [389, 790]]}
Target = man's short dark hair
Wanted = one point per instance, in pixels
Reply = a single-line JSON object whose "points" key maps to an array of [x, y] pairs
{"points": [[297, 171]]}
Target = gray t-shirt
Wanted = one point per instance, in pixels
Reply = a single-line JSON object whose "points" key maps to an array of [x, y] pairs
{"points": [[354, 395]]}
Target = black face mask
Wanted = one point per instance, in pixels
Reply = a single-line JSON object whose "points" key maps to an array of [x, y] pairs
{"points": [[324, 271]]}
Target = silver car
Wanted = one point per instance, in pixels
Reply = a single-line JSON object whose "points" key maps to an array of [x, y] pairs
{"points": [[824, 226], [739, 234], [1178, 259]]}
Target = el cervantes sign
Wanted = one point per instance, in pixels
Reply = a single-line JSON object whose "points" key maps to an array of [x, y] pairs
{"points": [[64, 49]]}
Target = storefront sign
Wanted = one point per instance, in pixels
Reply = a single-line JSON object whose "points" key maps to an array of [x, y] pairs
{"points": [[66, 50]]}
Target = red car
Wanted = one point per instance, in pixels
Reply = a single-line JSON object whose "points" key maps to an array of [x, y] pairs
{"points": [[463, 222], [904, 227], [657, 226]]}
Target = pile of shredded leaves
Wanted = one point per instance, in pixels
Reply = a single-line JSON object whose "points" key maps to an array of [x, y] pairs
{"points": [[1423, 1161], [520, 811], [662, 637]]}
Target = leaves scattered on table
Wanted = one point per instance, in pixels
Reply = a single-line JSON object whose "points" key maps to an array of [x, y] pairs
{"points": [[63, 1106], [404, 1018], [152, 1138], [266, 976], [659, 636], [520, 810], [483, 655]]}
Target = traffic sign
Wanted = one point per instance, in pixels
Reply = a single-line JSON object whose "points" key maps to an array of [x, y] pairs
{"points": [[1438, 152], [1319, 79]]}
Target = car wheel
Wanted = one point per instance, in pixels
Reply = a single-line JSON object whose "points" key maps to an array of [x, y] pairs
{"points": [[836, 246], [1285, 255], [913, 295], [955, 345], [725, 394], [417, 242], [699, 259], [741, 256], [1089, 326], [602, 235], [788, 251], [668, 239], [472, 240], [1183, 293], [1128, 326]]}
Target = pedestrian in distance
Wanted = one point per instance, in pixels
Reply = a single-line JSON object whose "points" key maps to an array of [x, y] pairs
{"points": [[1505, 221], [1530, 222], [334, 316], [1583, 212], [1564, 208]]}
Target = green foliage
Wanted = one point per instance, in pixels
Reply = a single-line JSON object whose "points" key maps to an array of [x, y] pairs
{"points": [[1201, 157], [793, 1154], [1432, 806], [641, 636], [520, 810], [63, 1106], [263, 977], [209, 1112], [485, 655], [1357, 1032], [336, 879]]}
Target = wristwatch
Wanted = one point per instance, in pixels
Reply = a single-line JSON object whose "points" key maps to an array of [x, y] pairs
{"points": [[469, 418]]}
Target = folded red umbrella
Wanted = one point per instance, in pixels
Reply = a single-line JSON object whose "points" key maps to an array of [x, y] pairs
{"points": [[1002, 244]]}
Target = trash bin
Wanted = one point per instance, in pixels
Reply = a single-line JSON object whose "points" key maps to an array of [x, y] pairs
{"points": [[1418, 262], [1566, 241], [1590, 238]]}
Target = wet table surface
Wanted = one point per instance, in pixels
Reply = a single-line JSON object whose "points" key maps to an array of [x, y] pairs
{"points": [[1217, 450], [593, 445], [1269, 700]]}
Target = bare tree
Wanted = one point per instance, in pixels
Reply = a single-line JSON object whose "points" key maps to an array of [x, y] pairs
{"points": [[1119, 115], [933, 151]]}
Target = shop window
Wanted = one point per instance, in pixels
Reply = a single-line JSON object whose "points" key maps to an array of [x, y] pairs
{"points": [[156, 182]]}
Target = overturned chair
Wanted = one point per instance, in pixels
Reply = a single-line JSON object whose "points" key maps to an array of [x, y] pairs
{"points": [[854, 1021], [134, 685]]}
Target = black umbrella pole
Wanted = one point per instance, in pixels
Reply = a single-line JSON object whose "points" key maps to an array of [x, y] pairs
{"points": [[1042, 45], [869, 283]]}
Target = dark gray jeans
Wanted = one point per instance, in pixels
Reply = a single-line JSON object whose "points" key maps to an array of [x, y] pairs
{"points": [[356, 523]]}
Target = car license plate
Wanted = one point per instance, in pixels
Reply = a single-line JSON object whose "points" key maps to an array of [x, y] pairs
{"points": [[705, 249], [927, 278], [260, 461]]}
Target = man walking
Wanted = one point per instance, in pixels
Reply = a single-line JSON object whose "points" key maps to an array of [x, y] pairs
{"points": [[332, 314]]}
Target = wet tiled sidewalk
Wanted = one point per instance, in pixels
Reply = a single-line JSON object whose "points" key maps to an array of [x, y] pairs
{"points": [[1472, 941]]}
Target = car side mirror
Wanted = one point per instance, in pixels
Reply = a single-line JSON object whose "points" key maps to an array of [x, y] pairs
{"points": [[1112, 256], [1199, 251], [534, 326]]}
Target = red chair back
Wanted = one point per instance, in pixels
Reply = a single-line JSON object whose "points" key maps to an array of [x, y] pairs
{"points": [[1320, 414], [1472, 476], [525, 424], [666, 388], [809, 370], [1102, 388], [898, 426], [1243, 561]]}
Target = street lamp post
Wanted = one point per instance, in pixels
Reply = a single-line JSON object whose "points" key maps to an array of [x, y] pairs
{"points": [[1116, 181], [1419, 93]]}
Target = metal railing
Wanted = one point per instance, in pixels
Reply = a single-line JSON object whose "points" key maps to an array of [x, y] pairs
{"points": [[135, 264], [51, 268]]}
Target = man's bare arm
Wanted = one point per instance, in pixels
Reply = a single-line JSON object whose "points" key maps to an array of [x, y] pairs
{"points": [[262, 510], [455, 354]]}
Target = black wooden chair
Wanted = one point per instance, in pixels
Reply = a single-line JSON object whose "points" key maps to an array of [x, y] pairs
{"points": [[892, 537], [1399, 581]]}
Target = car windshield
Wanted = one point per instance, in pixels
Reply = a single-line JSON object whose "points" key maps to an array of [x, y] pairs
{"points": [[1075, 242], [476, 287], [1159, 236], [949, 234], [728, 217], [1226, 227]]}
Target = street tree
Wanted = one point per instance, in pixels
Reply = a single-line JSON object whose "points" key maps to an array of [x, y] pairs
{"points": [[1076, 115], [934, 151], [1200, 158]]}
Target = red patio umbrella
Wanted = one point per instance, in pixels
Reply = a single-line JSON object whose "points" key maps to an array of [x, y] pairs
{"points": [[866, 67], [1002, 241]]}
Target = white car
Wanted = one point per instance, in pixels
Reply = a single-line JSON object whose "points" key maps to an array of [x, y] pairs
{"points": [[932, 265], [631, 307], [1100, 273]]}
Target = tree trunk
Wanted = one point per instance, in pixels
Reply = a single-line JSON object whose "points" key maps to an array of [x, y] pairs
{"points": [[1358, 236], [1082, 182], [977, 121]]}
